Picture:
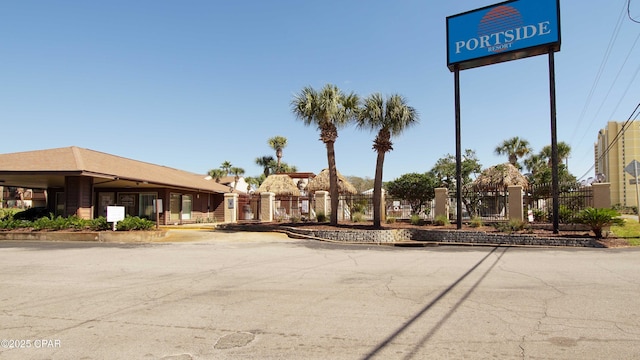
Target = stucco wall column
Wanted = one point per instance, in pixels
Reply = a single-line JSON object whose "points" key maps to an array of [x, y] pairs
{"points": [[516, 209], [442, 202], [267, 200], [323, 203], [601, 195], [230, 208]]}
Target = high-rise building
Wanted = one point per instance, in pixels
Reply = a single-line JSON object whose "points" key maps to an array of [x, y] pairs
{"points": [[617, 147]]}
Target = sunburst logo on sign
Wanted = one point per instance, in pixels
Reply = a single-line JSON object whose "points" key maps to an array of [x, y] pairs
{"points": [[498, 21]]}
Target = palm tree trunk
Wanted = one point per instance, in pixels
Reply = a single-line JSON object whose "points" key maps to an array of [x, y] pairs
{"points": [[279, 157], [333, 183], [377, 191]]}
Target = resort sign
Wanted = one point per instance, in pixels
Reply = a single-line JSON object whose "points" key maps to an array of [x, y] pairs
{"points": [[506, 31]]}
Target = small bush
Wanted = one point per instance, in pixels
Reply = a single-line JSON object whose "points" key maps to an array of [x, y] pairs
{"points": [[512, 226], [321, 217], [598, 219], [415, 220], [357, 217], [476, 222], [11, 224], [134, 223], [391, 220], [539, 215], [441, 220], [100, 224], [357, 208]]}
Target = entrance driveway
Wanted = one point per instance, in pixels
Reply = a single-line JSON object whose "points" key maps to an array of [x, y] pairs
{"points": [[264, 296]]}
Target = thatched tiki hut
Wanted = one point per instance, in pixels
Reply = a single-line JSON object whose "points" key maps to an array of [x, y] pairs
{"points": [[287, 195], [321, 183], [500, 177], [491, 186]]}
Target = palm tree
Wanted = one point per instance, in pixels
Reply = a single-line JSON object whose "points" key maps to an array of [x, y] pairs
{"points": [[237, 172], [250, 180], [328, 109], [564, 150], [278, 143], [226, 166], [390, 118], [286, 168], [535, 163], [514, 148], [266, 163], [217, 174]]}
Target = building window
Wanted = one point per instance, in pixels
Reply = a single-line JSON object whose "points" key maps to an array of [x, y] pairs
{"points": [[146, 206], [174, 206], [186, 207]]}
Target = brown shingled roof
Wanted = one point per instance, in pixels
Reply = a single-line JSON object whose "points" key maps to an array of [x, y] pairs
{"points": [[79, 161]]}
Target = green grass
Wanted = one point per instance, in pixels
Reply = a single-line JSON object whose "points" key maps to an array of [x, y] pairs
{"points": [[630, 231]]}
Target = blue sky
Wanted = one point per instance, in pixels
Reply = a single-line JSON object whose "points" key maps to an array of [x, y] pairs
{"points": [[191, 84]]}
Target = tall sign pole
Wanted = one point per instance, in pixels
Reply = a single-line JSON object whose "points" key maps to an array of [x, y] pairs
{"points": [[554, 143], [458, 150], [510, 30]]}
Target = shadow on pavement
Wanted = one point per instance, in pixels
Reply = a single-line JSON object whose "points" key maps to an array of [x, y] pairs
{"points": [[430, 305]]}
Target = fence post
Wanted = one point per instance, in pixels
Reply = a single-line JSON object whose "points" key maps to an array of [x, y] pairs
{"points": [[442, 202], [516, 208], [230, 207], [601, 195], [266, 206], [323, 204]]}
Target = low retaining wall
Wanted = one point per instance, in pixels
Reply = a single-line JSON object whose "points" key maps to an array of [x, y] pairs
{"points": [[440, 236], [98, 236]]}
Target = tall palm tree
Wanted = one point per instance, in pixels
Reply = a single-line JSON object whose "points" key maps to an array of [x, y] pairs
{"points": [[237, 172], [389, 118], [226, 166], [535, 163], [514, 148], [564, 150], [266, 163], [217, 174], [327, 109], [278, 143]]}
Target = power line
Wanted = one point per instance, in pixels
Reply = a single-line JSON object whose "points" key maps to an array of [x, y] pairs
{"points": [[605, 59], [629, 13]]}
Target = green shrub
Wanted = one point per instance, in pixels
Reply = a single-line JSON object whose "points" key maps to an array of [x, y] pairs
{"points": [[357, 208], [357, 217], [512, 225], [100, 224], [134, 223], [12, 224], [539, 215], [565, 214], [321, 217], [415, 220], [598, 219], [476, 222], [441, 220], [391, 220]]}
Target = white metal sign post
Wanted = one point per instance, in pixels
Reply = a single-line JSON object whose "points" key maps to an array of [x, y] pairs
{"points": [[115, 214], [632, 169]]}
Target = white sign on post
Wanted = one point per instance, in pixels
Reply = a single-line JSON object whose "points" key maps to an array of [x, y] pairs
{"points": [[115, 214]]}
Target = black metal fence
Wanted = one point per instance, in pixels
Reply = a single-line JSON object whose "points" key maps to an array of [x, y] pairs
{"points": [[572, 198], [490, 203]]}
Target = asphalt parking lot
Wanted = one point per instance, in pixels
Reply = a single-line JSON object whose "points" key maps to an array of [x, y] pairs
{"points": [[265, 296]]}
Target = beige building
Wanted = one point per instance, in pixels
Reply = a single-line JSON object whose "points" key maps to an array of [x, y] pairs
{"points": [[617, 147]]}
